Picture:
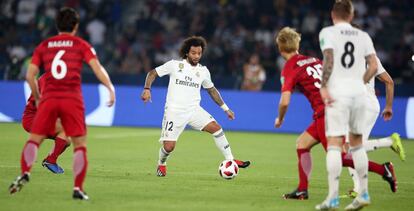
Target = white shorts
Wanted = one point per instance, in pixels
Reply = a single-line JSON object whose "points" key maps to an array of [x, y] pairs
{"points": [[373, 109], [175, 121], [347, 114]]}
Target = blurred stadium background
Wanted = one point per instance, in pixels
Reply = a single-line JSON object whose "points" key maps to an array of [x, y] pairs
{"points": [[132, 37]]}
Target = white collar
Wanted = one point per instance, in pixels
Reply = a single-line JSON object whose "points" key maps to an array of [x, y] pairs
{"points": [[185, 60], [343, 24]]}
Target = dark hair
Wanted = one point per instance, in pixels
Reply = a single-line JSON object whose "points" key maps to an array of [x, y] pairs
{"points": [[66, 19], [192, 41], [343, 9]]}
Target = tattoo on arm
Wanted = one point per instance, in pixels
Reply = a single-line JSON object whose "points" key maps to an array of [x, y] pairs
{"points": [[215, 95], [150, 78], [327, 66]]}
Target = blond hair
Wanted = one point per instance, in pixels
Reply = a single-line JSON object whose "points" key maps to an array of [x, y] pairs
{"points": [[288, 40]]}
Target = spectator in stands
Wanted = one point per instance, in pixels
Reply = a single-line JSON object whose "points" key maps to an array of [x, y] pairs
{"points": [[254, 74]]}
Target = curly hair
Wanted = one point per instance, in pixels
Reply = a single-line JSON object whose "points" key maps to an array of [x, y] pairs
{"points": [[192, 41], [66, 19]]}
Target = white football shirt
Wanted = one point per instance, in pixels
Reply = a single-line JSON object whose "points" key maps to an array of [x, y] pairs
{"points": [[350, 47], [371, 83], [185, 83]]}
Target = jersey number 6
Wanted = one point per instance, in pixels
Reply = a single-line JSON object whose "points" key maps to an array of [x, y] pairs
{"points": [[57, 62]]}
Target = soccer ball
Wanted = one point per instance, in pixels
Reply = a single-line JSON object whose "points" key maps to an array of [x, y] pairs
{"points": [[228, 169]]}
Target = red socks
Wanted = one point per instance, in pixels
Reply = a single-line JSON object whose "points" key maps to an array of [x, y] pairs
{"points": [[80, 164], [58, 149], [372, 166], [304, 167], [29, 156]]}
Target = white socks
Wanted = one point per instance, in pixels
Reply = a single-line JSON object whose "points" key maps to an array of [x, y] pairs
{"points": [[360, 158], [355, 178], [374, 144], [334, 167], [222, 144], [163, 156]]}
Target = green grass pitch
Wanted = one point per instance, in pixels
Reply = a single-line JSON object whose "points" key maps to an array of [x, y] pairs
{"points": [[122, 164]]}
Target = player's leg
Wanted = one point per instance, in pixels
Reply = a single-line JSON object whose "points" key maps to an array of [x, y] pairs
{"points": [[222, 144], [360, 160], [28, 157], [173, 125], [359, 118], [313, 135], [202, 120], [304, 143], [43, 124], [386, 170], [393, 141], [72, 117], [164, 153], [220, 139], [80, 166], [336, 118], [60, 145]]}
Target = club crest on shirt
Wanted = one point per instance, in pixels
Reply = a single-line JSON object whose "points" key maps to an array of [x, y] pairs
{"points": [[180, 67], [198, 74]]}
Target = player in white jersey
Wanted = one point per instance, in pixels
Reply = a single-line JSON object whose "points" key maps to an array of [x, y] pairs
{"points": [[182, 105], [346, 53], [393, 141]]}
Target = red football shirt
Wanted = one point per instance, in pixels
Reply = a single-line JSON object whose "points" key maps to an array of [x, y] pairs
{"points": [[61, 58], [304, 73]]}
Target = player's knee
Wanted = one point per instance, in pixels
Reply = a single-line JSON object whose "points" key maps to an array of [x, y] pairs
{"points": [[79, 141], [212, 127], [169, 147], [37, 138], [303, 144]]}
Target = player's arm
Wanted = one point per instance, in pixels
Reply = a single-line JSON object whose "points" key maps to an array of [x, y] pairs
{"points": [[215, 95], [103, 77], [327, 69], [283, 106], [389, 95], [146, 93], [31, 74], [372, 67]]}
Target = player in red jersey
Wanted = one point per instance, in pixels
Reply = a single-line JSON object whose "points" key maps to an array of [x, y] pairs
{"points": [[304, 73], [59, 136], [61, 57]]}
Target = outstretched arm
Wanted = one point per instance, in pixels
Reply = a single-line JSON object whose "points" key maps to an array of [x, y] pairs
{"points": [[389, 95], [326, 74], [283, 106], [146, 93], [103, 77], [215, 95]]}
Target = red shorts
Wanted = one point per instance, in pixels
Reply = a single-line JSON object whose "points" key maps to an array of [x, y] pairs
{"points": [[71, 112], [27, 122], [317, 130]]}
